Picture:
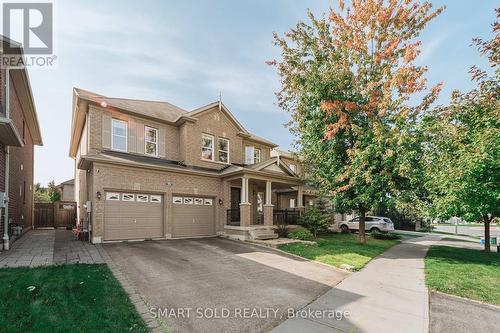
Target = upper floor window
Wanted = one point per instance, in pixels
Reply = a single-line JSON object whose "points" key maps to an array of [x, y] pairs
{"points": [[119, 135], [223, 150], [151, 141], [252, 155], [207, 147], [257, 155], [293, 167]]}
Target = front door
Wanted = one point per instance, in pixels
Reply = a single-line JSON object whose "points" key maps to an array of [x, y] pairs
{"points": [[235, 197]]}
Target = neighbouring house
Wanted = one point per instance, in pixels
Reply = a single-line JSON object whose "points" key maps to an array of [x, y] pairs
{"points": [[19, 132], [67, 190], [151, 170]]}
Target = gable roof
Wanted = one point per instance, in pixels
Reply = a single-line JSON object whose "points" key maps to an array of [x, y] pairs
{"points": [[207, 108], [273, 165], [160, 110]]}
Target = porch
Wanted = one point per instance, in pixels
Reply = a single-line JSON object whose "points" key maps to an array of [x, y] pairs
{"points": [[259, 205]]}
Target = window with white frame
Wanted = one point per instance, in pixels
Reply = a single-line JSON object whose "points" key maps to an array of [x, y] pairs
{"points": [[223, 150], [155, 198], [151, 141], [292, 203], [112, 196], [257, 155], [252, 155], [293, 167], [142, 198], [119, 135], [207, 147], [128, 197]]}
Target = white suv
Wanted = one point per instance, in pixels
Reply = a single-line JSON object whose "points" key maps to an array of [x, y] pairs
{"points": [[372, 223]]}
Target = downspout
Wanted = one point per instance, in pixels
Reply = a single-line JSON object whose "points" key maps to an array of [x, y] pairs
{"points": [[6, 244]]}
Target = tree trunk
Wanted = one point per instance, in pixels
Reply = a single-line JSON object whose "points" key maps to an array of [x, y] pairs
{"points": [[487, 246], [361, 230]]}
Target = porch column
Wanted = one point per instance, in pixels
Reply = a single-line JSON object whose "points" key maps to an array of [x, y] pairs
{"points": [[245, 205], [268, 206], [300, 197]]}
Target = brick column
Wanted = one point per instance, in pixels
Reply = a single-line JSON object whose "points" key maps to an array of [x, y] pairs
{"points": [[245, 205], [268, 207]]}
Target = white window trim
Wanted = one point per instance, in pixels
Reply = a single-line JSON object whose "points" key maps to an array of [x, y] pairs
{"points": [[146, 127], [113, 120], [203, 135], [260, 155], [227, 151], [132, 195], [110, 195], [292, 203], [252, 156], [293, 167], [144, 196], [155, 198]]}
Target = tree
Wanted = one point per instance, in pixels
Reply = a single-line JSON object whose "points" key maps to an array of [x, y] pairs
{"points": [[462, 150], [53, 192], [315, 220], [347, 80], [40, 194]]}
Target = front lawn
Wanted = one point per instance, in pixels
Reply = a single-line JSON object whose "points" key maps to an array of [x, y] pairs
{"points": [[467, 273], [68, 298], [338, 249]]}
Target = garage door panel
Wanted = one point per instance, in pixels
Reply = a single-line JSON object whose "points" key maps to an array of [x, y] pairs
{"points": [[132, 220], [193, 220]]}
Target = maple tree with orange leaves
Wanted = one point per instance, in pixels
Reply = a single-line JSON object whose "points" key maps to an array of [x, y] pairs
{"points": [[347, 78]]}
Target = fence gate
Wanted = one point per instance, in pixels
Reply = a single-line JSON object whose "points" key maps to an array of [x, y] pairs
{"points": [[59, 214], [44, 215]]}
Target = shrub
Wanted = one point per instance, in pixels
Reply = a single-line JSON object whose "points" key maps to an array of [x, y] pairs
{"points": [[389, 235], [315, 220], [282, 230], [301, 233]]}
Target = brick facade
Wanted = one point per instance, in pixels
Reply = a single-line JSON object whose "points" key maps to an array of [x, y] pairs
{"points": [[21, 167]]}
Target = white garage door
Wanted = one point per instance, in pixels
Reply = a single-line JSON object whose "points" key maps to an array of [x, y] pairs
{"points": [[193, 216], [133, 216]]}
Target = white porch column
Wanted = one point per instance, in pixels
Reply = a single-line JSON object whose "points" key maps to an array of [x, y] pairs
{"points": [[245, 205], [300, 195], [244, 190], [268, 192]]}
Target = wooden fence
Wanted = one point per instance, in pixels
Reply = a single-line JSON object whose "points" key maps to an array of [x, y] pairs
{"points": [[59, 214]]}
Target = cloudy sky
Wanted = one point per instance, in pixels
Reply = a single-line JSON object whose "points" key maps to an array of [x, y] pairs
{"points": [[186, 52]]}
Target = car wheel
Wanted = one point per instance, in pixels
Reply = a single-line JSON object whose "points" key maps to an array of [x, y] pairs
{"points": [[375, 230], [344, 228]]}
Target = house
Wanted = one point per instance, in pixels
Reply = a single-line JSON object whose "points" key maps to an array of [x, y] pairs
{"points": [[151, 170], [19, 132], [67, 190]]}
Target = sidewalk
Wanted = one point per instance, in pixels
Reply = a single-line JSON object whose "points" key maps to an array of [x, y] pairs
{"points": [[49, 247], [388, 295]]}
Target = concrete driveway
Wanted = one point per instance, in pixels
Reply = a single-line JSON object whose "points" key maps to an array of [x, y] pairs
{"points": [[219, 285]]}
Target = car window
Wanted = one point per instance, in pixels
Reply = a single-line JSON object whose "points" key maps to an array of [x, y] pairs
{"points": [[369, 219], [356, 219], [387, 220]]}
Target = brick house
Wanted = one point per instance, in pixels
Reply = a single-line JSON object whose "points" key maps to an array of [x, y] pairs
{"points": [[151, 170], [19, 132]]}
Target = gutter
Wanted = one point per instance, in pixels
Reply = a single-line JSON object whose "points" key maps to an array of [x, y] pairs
{"points": [[6, 243]]}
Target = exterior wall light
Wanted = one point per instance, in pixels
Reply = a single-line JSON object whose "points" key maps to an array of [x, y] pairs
{"points": [[98, 195]]}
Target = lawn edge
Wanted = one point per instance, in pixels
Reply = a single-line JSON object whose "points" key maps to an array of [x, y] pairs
{"points": [[494, 306], [140, 303]]}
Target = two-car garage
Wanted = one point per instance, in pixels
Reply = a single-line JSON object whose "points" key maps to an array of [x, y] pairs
{"points": [[129, 216]]}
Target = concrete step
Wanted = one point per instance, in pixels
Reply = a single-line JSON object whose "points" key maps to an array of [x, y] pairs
{"points": [[263, 234]]}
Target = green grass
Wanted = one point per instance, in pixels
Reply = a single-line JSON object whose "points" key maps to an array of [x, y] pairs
{"points": [[67, 298], [459, 240], [338, 249], [452, 233], [464, 272]]}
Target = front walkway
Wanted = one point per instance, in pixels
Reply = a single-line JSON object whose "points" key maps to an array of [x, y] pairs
{"points": [[388, 295], [49, 247]]}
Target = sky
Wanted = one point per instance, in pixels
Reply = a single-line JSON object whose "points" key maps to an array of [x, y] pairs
{"points": [[186, 52]]}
